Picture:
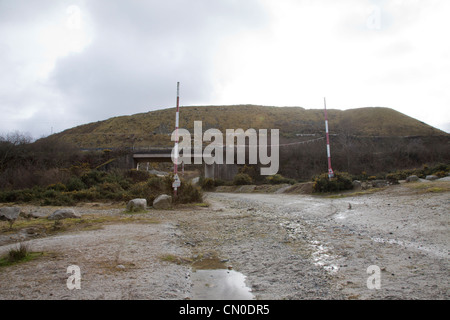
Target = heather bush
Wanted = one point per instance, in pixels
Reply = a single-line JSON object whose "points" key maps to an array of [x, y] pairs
{"points": [[93, 178], [341, 181], [242, 179], [75, 184], [188, 193], [279, 179], [207, 184]]}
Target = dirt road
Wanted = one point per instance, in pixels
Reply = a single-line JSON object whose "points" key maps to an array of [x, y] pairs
{"points": [[406, 235], [287, 246]]}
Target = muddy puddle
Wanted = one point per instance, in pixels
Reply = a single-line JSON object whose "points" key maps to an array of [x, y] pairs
{"points": [[219, 284]]}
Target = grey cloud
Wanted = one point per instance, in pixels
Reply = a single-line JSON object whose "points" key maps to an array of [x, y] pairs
{"points": [[25, 11], [141, 49]]}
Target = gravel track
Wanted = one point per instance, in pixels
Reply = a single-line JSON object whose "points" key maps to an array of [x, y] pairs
{"points": [[287, 246]]}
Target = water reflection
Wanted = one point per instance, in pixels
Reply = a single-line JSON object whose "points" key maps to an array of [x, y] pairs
{"points": [[219, 284]]}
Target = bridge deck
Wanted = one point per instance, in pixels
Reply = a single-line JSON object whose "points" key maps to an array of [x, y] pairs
{"points": [[161, 157]]}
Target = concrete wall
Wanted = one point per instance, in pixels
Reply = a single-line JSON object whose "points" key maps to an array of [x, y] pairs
{"points": [[221, 171], [214, 171]]}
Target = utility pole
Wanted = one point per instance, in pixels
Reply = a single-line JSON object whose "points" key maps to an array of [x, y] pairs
{"points": [[330, 171], [176, 182]]}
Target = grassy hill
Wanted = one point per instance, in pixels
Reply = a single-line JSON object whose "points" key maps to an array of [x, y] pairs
{"points": [[154, 128]]}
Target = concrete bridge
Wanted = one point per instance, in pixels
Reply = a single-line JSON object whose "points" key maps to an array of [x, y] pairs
{"points": [[215, 171]]}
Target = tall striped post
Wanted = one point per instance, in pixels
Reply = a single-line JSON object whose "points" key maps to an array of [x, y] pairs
{"points": [[177, 119], [330, 171]]}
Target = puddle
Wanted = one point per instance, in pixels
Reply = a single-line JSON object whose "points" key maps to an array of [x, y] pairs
{"points": [[219, 284]]}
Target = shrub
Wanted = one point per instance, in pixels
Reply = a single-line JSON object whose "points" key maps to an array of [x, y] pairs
{"points": [[156, 183], [118, 176], [252, 171], [207, 183], [340, 182], [10, 196], [279, 179], [93, 178], [392, 178], [57, 187], [440, 170], [138, 175], [220, 182], [79, 170], [107, 187], [75, 184], [188, 193], [242, 179], [27, 195], [110, 190], [440, 167], [155, 186], [440, 174], [50, 194], [141, 190], [85, 195], [59, 199]]}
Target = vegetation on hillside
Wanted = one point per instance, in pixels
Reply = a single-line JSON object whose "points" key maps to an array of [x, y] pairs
{"points": [[58, 174], [117, 185], [154, 128], [366, 142]]}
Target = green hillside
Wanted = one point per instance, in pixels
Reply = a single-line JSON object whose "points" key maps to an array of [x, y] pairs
{"points": [[154, 128]]}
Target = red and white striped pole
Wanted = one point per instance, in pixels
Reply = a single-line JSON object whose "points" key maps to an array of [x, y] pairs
{"points": [[177, 119], [330, 171]]}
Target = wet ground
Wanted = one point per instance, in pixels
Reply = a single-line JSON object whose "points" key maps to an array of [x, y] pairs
{"points": [[249, 246], [219, 284]]}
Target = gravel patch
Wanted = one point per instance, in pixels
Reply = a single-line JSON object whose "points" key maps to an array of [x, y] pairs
{"points": [[287, 247]]}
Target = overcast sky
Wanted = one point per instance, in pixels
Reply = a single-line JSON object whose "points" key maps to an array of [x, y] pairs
{"points": [[65, 63]]}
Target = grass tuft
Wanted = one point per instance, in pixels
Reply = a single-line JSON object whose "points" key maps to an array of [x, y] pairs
{"points": [[19, 254]]}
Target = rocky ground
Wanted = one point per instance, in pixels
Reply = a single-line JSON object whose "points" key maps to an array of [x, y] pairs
{"points": [[287, 246]]}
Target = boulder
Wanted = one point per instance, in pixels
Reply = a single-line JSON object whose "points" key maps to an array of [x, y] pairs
{"points": [[163, 201], [357, 185], [33, 214], [64, 214], [137, 205], [9, 214], [379, 183], [366, 185], [431, 177], [412, 178]]}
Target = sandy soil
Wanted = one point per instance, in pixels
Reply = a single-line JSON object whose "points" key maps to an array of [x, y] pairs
{"points": [[287, 246]]}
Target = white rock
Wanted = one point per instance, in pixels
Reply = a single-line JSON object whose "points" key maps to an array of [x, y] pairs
{"points": [[137, 205], [64, 214], [412, 178], [163, 201], [9, 213]]}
